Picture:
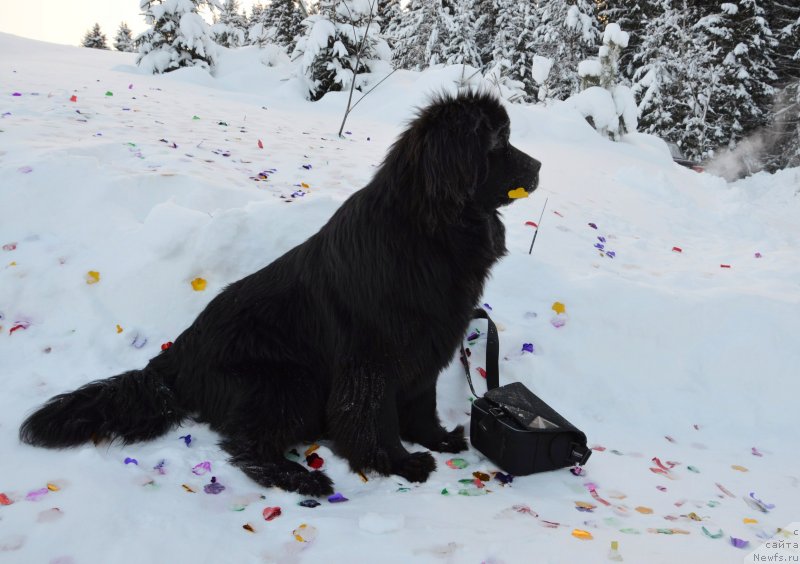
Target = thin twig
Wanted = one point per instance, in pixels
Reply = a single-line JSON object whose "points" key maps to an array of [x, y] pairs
{"points": [[535, 233]]}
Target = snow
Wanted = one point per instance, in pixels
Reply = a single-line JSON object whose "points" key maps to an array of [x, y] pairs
{"points": [[590, 67], [540, 68], [613, 34], [657, 343]]}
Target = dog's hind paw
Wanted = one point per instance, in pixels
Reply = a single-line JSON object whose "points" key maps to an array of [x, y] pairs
{"points": [[453, 441], [415, 467]]}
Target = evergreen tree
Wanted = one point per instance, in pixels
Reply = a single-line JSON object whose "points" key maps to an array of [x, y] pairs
{"points": [[390, 18], [259, 25], [179, 36], [633, 17], [513, 48], [424, 33], [675, 77], [486, 29], [566, 33], [94, 38], [230, 27], [784, 20], [342, 41], [744, 92], [287, 20], [462, 48], [124, 40]]}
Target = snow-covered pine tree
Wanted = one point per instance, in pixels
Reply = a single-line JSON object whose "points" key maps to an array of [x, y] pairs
{"points": [[124, 39], [422, 36], [95, 38], [486, 30], [742, 96], [784, 20], [512, 51], [179, 36], [259, 25], [675, 78], [633, 17], [462, 48], [390, 18], [566, 33], [608, 101], [342, 43], [287, 19], [230, 27]]}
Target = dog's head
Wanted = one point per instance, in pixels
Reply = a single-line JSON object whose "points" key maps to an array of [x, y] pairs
{"points": [[457, 152]]}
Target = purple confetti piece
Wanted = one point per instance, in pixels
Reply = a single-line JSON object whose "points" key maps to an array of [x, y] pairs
{"points": [[130, 87], [349, 132], [527, 347], [611, 254], [160, 467], [601, 239], [202, 468], [758, 255], [214, 487], [739, 543], [36, 495], [310, 503], [504, 478], [131, 461], [754, 450], [599, 246], [593, 226], [17, 94], [307, 166], [472, 336], [337, 498], [766, 506], [487, 307], [25, 169], [186, 439], [577, 471]]}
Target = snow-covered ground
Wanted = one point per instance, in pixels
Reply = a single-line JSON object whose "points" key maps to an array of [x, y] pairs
{"points": [[147, 181]]}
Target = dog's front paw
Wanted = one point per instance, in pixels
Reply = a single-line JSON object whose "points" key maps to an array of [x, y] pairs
{"points": [[415, 467], [453, 441]]}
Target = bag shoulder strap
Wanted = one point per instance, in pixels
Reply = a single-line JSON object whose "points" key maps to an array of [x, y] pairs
{"points": [[492, 354]]}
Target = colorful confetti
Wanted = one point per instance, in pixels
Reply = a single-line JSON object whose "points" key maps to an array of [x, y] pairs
{"points": [[214, 487], [457, 463], [270, 513]]}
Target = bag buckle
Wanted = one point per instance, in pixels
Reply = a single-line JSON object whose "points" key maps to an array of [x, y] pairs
{"points": [[580, 454], [496, 412]]}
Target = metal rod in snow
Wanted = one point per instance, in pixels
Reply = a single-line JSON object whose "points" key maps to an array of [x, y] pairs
{"points": [[535, 233]]}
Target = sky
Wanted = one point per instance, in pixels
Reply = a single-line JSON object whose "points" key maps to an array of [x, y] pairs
{"points": [[57, 21]]}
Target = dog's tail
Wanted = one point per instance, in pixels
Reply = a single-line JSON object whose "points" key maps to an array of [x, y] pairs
{"points": [[135, 406]]}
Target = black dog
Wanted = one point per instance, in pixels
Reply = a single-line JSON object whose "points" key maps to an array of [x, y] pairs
{"points": [[344, 336]]}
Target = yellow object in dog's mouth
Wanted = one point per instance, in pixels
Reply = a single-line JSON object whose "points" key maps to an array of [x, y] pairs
{"points": [[517, 193]]}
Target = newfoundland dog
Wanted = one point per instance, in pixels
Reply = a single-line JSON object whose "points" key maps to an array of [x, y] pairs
{"points": [[344, 336]]}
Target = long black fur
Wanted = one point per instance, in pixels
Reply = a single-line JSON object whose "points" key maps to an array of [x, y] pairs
{"points": [[344, 336]]}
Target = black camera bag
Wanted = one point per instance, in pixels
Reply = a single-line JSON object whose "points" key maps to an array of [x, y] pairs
{"points": [[515, 429]]}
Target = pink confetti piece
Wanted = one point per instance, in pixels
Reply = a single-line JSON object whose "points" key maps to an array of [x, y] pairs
{"points": [[758, 255], [724, 490], [25, 169], [531, 223], [558, 321], [755, 452], [271, 513], [202, 468], [593, 491], [10, 247], [36, 495]]}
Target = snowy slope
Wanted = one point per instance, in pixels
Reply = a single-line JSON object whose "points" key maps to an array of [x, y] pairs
{"points": [[663, 354]]}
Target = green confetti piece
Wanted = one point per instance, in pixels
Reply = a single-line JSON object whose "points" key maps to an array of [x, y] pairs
{"points": [[445, 492], [404, 489], [109, 93], [457, 463], [238, 507], [195, 117], [466, 481], [665, 531], [473, 492], [630, 531], [713, 503], [693, 469], [718, 535]]}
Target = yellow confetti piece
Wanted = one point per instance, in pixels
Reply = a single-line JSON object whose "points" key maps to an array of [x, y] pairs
{"points": [[13, 263], [614, 545], [92, 277], [187, 488], [312, 448], [559, 308], [248, 527], [644, 510], [739, 468], [517, 193], [694, 516], [199, 284], [748, 521], [119, 329], [304, 185], [482, 476], [304, 533], [53, 487], [584, 505], [581, 534]]}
